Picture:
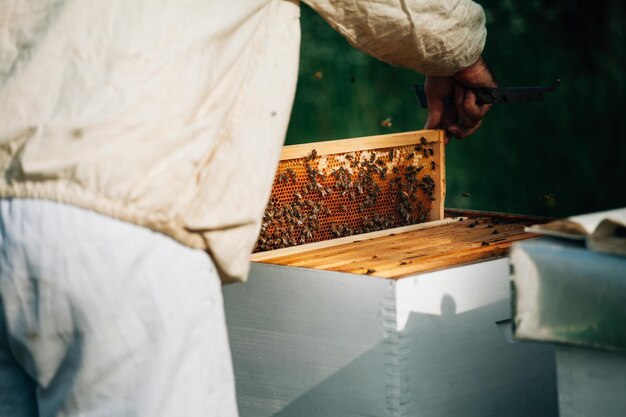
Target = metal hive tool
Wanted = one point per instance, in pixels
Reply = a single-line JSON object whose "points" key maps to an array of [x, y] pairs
{"points": [[327, 190]]}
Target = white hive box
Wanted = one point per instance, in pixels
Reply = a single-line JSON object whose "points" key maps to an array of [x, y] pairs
{"points": [[409, 321]]}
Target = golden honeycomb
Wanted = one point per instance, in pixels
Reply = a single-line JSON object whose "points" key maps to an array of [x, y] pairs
{"points": [[321, 197]]}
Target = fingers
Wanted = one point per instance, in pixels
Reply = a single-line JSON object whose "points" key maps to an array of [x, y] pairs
{"points": [[470, 114], [436, 89], [462, 132], [440, 117], [436, 110]]}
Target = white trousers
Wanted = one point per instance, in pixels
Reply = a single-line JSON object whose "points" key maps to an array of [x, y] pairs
{"points": [[103, 318]]}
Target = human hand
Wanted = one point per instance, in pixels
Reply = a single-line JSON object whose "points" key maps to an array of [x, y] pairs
{"points": [[464, 117]]}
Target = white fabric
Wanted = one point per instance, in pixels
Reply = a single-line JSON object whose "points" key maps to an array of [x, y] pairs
{"points": [[171, 114], [103, 318]]}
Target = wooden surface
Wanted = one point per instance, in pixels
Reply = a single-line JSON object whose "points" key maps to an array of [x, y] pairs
{"points": [[293, 250], [361, 144], [399, 253]]}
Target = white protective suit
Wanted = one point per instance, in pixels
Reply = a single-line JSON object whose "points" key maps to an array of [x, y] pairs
{"points": [[153, 128]]}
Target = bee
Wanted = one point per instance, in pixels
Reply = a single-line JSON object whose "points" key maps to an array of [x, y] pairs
{"points": [[423, 140], [431, 152], [372, 158], [386, 122], [370, 271], [495, 232], [433, 165], [343, 208], [410, 156], [292, 175], [349, 157], [391, 155], [466, 195], [484, 243], [311, 156]]}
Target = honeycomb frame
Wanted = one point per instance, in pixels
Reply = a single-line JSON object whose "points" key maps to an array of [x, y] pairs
{"points": [[328, 190]]}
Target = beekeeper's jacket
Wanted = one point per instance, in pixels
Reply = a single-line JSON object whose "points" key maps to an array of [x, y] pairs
{"points": [[171, 114]]}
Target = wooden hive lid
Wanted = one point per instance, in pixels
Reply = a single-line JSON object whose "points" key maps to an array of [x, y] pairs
{"points": [[411, 250]]}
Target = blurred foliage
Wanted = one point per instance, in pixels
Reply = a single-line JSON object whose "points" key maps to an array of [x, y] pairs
{"points": [[563, 156]]}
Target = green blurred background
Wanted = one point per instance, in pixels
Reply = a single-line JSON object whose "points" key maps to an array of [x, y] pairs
{"points": [[563, 156]]}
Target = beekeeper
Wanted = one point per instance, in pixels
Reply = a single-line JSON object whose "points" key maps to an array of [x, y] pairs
{"points": [[136, 137]]}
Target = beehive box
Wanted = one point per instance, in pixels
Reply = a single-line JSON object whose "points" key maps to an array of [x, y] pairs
{"points": [[407, 321]]}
